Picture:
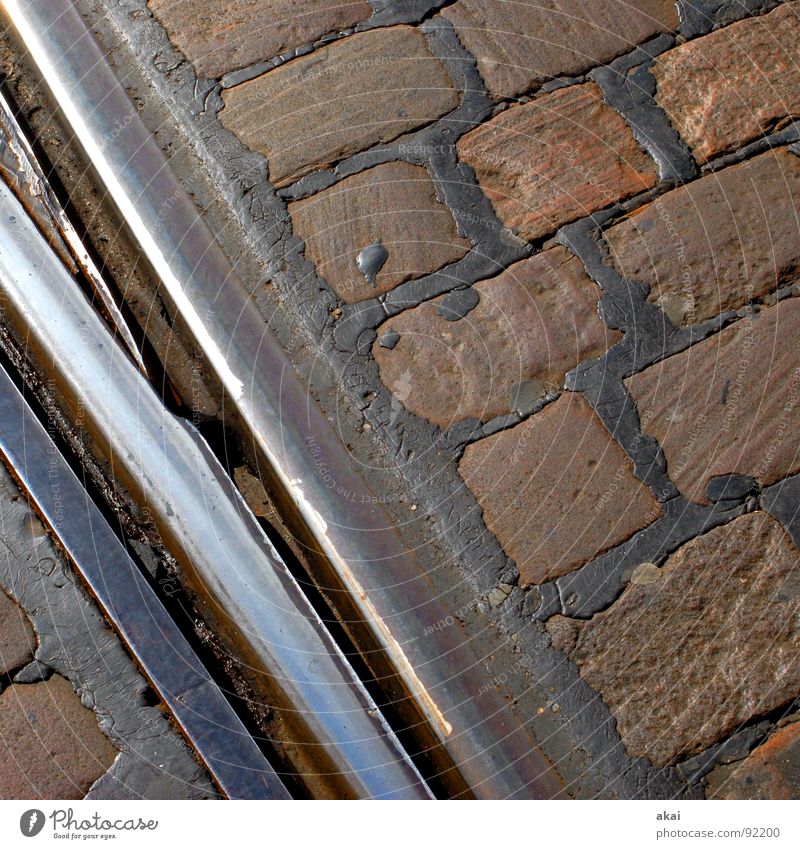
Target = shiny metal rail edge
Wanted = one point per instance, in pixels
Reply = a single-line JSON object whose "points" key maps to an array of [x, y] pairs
{"points": [[203, 520], [208, 721], [366, 568]]}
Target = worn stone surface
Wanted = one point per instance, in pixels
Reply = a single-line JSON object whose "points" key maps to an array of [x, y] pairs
{"points": [[684, 660], [521, 45], [730, 87], [51, 746], [343, 98], [17, 640], [393, 205], [555, 160], [556, 490], [532, 324], [728, 404], [772, 771], [222, 37], [717, 243]]}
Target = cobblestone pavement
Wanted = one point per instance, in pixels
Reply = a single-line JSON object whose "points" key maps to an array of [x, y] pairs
{"points": [[77, 720], [549, 252]]}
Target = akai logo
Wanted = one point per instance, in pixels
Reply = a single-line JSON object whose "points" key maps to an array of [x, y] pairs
{"points": [[31, 822]]}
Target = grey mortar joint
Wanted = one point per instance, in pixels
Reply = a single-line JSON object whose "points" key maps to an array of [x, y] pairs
{"points": [[598, 584], [417, 147], [782, 501], [587, 718], [458, 303], [384, 14], [243, 75], [788, 136], [648, 337], [390, 12], [699, 17], [557, 83], [629, 87], [736, 747], [494, 246]]}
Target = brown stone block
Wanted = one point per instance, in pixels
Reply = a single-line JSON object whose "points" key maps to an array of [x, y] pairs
{"points": [[555, 160], [520, 45], [729, 404], [221, 37], [772, 771], [734, 85], [391, 209], [17, 640], [346, 97], [717, 243], [557, 490], [682, 661], [51, 746], [532, 324]]}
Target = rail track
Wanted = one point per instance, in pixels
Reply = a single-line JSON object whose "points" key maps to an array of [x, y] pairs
{"points": [[360, 706]]}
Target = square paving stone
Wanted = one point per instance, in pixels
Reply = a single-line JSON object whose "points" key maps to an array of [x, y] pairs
{"points": [[557, 490], [51, 746], [710, 641], [392, 209], [717, 243], [363, 90], [520, 45], [734, 85], [729, 404], [555, 160], [231, 34], [530, 326]]}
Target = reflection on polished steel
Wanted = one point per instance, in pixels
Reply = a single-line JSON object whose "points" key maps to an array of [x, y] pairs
{"points": [[369, 574], [20, 169], [210, 724], [161, 460]]}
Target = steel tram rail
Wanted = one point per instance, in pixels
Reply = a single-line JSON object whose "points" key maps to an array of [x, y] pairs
{"points": [[162, 461], [211, 726]]}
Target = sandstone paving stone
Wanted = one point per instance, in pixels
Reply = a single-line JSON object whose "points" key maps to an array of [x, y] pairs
{"points": [[365, 89], [772, 771], [17, 640], [556, 159], [681, 662], [734, 85], [717, 243], [556, 490], [393, 206], [520, 45], [729, 404], [222, 37], [531, 325], [51, 746]]}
